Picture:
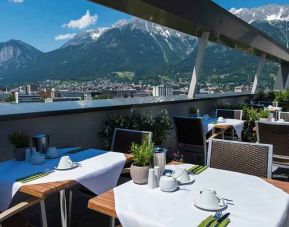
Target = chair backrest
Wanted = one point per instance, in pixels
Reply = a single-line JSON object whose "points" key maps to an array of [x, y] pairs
{"points": [[189, 130], [248, 158], [123, 139], [284, 116], [232, 114], [276, 134]]}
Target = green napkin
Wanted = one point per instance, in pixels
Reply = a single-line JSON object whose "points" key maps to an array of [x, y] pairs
{"points": [[32, 177], [193, 168], [205, 222], [198, 171], [77, 150]]}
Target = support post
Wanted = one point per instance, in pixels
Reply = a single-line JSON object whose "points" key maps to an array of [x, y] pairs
{"points": [[282, 80], [258, 72], [202, 44]]}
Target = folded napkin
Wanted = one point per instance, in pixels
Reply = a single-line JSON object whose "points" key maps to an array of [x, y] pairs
{"points": [[209, 220], [197, 169], [32, 177]]}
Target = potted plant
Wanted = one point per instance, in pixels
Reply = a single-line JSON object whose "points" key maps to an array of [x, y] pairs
{"points": [[142, 157], [21, 141], [263, 114]]}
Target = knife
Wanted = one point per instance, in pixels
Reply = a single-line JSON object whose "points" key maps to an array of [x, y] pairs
{"points": [[219, 221]]}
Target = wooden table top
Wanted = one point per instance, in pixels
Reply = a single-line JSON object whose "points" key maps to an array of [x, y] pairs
{"points": [[45, 189], [105, 203]]}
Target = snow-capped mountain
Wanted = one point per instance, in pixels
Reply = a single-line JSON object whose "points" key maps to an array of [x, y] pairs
{"points": [[157, 32], [270, 12], [141, 47]]}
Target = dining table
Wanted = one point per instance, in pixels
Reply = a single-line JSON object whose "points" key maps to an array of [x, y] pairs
{"points": [[233, 125], [106, 202], [60, 181]]}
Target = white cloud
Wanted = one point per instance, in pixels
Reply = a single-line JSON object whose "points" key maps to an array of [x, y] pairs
{"points": [[65, 36], [84, 22], [16, 1]]}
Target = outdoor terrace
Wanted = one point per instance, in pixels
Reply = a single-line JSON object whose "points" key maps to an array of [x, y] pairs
{"points": [[240, 172]]}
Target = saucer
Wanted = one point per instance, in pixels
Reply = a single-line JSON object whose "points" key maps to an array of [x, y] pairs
{"points": [[192, 179], [53, 157], [75, 165], [209, 208]]}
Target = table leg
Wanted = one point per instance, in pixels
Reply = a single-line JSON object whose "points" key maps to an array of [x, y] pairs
{"points": [[232, 133], [112, 222], [65, 207], [43, 213], [69, 207]]}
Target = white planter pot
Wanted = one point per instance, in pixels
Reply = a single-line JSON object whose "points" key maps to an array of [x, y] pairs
{"points": [[139, 174]]}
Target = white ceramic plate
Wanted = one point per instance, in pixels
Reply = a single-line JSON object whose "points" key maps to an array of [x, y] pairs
{"points": [[209, 208], [75, 165], [192, 179]]}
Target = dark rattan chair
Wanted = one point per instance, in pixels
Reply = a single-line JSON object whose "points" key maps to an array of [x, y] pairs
{"points": [[284, 116], [191, 139], [123, 138], [276, 134], [231, 114], [265, 103], [248, 158]]}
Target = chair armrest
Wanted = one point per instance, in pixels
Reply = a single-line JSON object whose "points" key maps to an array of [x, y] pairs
{"points": [[281, 157], [215, 135], [18, 207]]}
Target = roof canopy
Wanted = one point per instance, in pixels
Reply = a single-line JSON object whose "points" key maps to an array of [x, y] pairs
{"points": [[197, 16]]}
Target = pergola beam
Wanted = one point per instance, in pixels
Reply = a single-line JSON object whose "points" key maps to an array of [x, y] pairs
{"points": [[195, 17]]}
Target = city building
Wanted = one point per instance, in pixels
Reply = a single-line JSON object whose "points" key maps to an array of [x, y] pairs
{"points": [[162, 90]]}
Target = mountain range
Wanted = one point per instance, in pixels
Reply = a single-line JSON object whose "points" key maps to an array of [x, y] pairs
{"points": [[146, 50]]}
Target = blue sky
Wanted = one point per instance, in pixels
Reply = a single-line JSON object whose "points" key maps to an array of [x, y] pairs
{"points": [[38, 22], [48, 24]]}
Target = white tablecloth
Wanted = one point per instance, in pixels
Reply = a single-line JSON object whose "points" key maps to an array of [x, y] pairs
{"points": [[256, 202], [99, 172], [238, 125]]}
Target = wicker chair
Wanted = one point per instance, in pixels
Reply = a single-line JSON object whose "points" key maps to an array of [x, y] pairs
{"points": [[232, 114], [11, 217], [123, 138], [191, 139], [284, 116], [278, 136], [248, 158]]}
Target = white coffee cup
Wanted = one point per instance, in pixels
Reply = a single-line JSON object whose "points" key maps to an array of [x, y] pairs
{"points": [[181, 175], [65, 163], [208, 199], [52, 152], [221, 119]]}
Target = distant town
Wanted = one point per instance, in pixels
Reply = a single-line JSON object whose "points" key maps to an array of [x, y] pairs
{"points": [[59, 91]]}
